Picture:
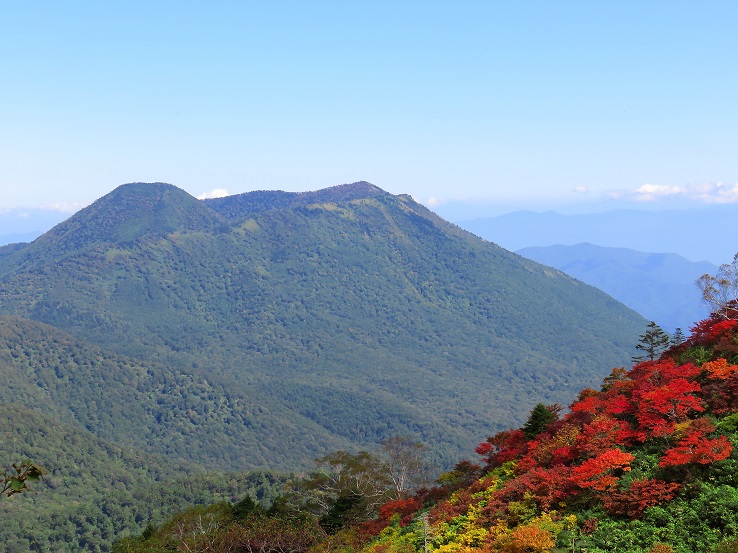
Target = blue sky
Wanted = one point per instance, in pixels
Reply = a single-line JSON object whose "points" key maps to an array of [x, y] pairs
{"points": [[516, 103]]}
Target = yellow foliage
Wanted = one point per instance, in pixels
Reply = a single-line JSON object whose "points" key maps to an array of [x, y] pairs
{"points": [[537, 536]]}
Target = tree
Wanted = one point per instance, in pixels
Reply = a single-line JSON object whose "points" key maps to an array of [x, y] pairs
{"points": [[540, 416], [678, 337], [720, 292], [347, 488], [16, 478], [403, 461], [653, 343]]}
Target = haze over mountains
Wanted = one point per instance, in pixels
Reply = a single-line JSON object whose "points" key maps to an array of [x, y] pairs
{"points": [[695, 234], [661, 287]]}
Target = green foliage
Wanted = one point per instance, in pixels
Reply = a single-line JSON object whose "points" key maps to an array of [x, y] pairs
{"points": [[249, 322], [539, 418], [94, 491], [18, 476]]}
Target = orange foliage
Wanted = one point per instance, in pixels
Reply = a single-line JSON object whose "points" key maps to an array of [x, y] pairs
{"points": [[720, 369], [529, 539]]}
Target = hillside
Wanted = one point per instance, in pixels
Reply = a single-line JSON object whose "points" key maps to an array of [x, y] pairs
{"points": [[646, 464], [94, 490], [659, 286], [325, 319], [146, 405]]}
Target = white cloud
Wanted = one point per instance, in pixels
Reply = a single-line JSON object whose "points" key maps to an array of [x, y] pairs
{"points": [[653, 192], [63, 207], [712, 193], [432, 202], [716, 193], [581, 189], [216, 193]]}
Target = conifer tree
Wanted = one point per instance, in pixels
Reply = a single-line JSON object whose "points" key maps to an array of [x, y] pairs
{"points": [[678, 337], [652, 343], [539, 418]]}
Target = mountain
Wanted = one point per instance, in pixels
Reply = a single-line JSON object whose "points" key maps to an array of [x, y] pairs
{"points": [[646, 464], [265, 329], [661, 287], [697, 234]]}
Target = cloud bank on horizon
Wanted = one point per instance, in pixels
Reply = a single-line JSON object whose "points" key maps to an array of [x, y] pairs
{"points": [[708, 193]]}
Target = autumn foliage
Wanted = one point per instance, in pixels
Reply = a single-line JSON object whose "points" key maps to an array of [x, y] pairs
{"points": [[632, 445]]}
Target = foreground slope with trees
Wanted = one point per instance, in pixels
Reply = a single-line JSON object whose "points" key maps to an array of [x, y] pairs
{"points": [[645, 464]]}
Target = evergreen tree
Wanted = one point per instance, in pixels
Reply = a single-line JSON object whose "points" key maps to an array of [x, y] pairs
{"points": [[678, 337], [540, 416], [652, 343]]}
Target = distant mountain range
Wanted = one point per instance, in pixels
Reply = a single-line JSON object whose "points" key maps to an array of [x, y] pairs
{"points": [[661, 287], [699, 234]]}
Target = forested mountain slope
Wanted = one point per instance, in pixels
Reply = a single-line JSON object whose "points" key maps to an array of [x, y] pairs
{"points": [[343, 316], [94, 489], [148, 405], [646, 464]]}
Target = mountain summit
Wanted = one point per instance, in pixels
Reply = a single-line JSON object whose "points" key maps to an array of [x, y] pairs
{"points": [[348, 314]]}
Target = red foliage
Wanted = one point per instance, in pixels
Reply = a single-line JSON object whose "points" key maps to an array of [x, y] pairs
{"points": [[598, 436], [403, 507], [503, 447], [664, 395], [696, 447], [406, 508], [710, 331], [598, 473], [585, 450], [721, 396], [447, 510], [547, 486], [641, 495]]}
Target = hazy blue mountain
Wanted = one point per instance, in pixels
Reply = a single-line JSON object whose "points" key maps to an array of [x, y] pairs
{"points": [[699, 234], [658, 286], [24, 224], [19, 237], [324, 319]]}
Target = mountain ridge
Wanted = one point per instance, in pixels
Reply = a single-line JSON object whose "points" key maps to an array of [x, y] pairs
{"points": [[350, 297], [661, 287]]}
